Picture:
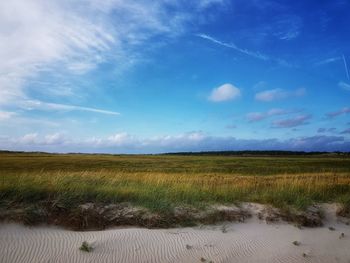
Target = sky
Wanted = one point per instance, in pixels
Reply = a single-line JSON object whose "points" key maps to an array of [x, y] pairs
{"points": [[127, 76]]}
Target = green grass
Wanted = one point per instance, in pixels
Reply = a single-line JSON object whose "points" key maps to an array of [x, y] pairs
{"points": [[173, 164], [86, 247], [162, 182]]}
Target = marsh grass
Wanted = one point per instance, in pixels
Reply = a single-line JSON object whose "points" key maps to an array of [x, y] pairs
{"points": [[162, 182]]}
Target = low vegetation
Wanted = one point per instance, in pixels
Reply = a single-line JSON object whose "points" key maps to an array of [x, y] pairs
{"points": [[86, 247], [162, 182]]}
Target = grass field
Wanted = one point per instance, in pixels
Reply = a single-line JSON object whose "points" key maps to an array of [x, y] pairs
{"points": [[161, 182]]}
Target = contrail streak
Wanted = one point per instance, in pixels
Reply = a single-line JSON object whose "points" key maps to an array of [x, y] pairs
{"points": [[233, 46], [346, 67], [245, 51]]}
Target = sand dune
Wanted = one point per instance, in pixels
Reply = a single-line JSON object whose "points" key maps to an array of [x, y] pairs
{"points": [[253, 241]]}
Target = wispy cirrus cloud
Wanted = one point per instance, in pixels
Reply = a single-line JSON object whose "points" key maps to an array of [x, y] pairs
{"points": [[40, 105], [343, 85], [38, 35], [75, 37], [259, 116], [278, 94], [287, 27], [292, 122], [256, 116], [343, 111], [346, 131], [328, 60], [260, 85], [335, 59], [231, 126], [323, 130]]}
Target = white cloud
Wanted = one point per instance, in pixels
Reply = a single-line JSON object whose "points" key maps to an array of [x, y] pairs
{"points": [[119, 139], [54, 139], [34, 139], [344, 85], [28, 139], [278, 94], [224, 93], [6, 115], [81, 67]]}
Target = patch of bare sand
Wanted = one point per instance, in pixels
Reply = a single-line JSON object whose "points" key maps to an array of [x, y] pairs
{"points": [[252, 241]]}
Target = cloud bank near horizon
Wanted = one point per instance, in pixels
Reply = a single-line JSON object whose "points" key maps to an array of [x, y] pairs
{"points": [[186, 142]]}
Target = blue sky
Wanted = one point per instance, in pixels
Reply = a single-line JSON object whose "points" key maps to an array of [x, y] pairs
{"points": [[145, 77]]}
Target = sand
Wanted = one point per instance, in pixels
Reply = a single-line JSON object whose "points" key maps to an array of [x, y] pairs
{"points": [[252, 241]]}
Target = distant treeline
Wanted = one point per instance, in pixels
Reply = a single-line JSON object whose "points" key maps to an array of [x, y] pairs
{"points": [[6, 151], [259, 153], [204, 153]]}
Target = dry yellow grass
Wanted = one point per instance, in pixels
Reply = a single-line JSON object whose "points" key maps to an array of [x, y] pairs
{"points": [[164, 181], [164, 190]]}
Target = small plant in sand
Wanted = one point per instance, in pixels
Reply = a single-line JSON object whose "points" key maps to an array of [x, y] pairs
{"points": [[224, 229], [298, 225], [86, 247], [204, 260], [342, 235], [304, 255], [296, 243]]}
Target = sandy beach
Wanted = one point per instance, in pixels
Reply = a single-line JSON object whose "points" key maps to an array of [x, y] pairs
{"points": [[252, 241]]}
